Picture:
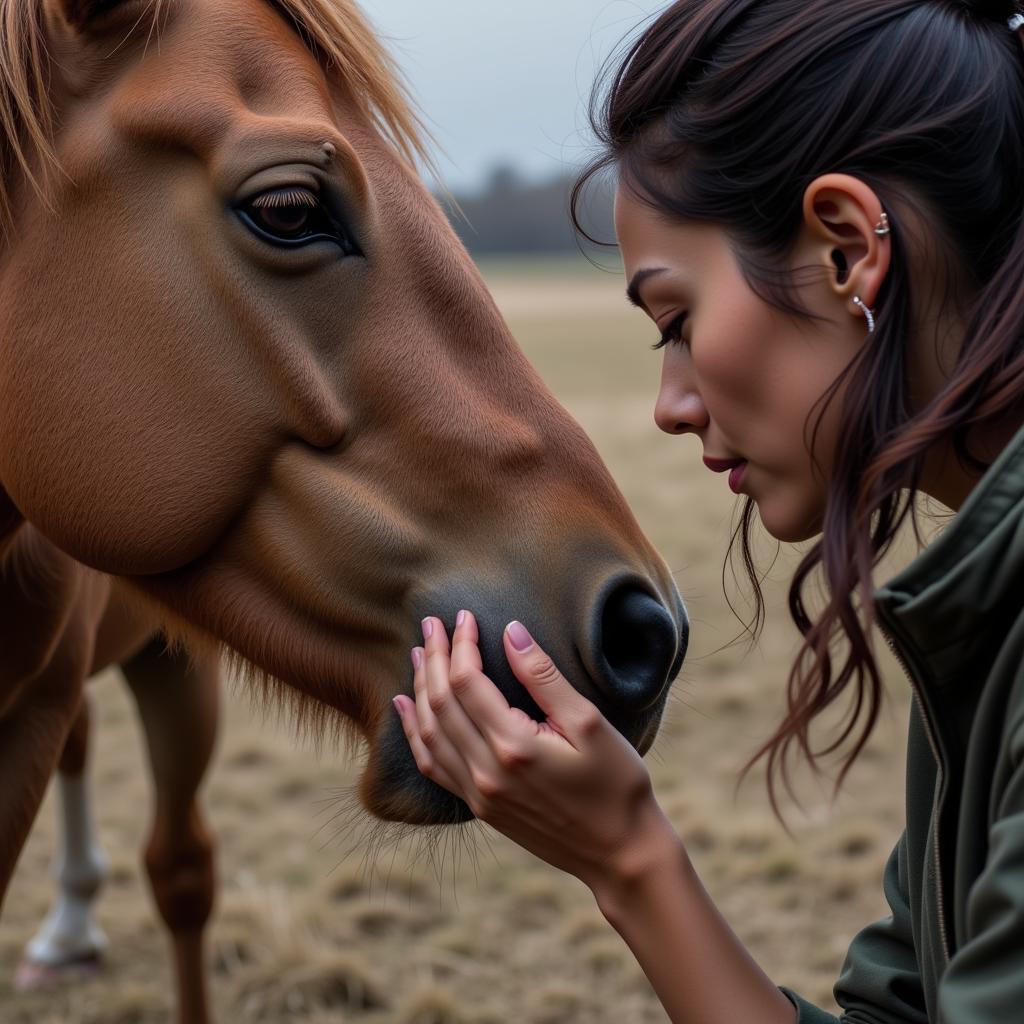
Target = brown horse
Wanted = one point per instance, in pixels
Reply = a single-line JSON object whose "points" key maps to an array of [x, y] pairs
{"points": [[254, 395]]}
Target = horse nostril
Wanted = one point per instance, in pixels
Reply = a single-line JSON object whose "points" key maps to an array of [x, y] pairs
{"points": [[638, 645]]}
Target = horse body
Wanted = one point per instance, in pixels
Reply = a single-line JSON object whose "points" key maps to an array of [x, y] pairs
{"points": [[254, 395]]}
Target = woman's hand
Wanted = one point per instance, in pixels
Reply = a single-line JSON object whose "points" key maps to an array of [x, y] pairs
{"points": [[571, 789], [574, 792]]}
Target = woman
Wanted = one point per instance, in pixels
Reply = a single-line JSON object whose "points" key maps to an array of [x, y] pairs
{"points": [[820, 208]]}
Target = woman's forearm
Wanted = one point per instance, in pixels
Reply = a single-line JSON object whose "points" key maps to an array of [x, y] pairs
{"points": [[699, 969]]}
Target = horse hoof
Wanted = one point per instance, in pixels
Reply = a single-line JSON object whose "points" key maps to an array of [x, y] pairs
{"points": [[32, 976]]}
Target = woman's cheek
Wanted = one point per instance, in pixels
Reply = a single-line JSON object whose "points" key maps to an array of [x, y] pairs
{"points": [[734, 390], [732, 354]]}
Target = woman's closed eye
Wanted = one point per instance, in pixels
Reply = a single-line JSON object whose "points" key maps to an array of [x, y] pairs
{"points": [[673, 334]]}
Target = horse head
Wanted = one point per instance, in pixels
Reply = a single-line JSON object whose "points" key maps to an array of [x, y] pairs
{"points": [[247, 366]]}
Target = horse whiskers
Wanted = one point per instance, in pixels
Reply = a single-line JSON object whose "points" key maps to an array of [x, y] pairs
{"points": [[481, 830], [349, 816], [678, 697], [442, 847]]}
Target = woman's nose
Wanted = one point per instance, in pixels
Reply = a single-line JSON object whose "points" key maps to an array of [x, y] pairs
{"points": [[679, 409]]}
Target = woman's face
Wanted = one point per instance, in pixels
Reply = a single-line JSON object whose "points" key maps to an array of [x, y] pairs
{"points": [[739, 374]]}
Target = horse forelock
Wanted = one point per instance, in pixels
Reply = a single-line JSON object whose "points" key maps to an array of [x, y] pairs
{"points": [[26, 109], [335, 31]]}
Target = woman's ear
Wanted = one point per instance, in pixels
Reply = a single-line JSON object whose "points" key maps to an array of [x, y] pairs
{"points": [[841, 215]]}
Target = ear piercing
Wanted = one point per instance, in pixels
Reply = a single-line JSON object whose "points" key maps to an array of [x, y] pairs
{"points": [[868, 314], [882, 229]]}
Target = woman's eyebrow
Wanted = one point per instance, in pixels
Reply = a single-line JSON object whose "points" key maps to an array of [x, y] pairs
{"points": [[633, 291]]}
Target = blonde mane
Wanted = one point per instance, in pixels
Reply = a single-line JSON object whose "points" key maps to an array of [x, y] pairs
{"points": [[335, 31]]}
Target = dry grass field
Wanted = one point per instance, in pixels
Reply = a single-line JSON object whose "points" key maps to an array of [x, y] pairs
{"points": [[316, 926]]}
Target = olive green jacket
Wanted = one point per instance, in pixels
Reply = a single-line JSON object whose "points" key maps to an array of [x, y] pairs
{"points": [[953, 950]]}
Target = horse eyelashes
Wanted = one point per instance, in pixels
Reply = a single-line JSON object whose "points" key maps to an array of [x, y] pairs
{"points": [[285, 197]]}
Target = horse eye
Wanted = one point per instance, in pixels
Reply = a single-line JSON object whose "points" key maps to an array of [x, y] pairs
{"points": [[289, 221], [293, 217]]}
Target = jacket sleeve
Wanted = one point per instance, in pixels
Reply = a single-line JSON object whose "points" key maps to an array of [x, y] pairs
{"points": [[880, 982], [984, 980]]}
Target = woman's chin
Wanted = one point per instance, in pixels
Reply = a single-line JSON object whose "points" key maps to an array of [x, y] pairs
{"points": [[787, 524]]}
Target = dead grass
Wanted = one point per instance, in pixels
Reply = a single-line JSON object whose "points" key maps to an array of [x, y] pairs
{"points": [[499, 937]]}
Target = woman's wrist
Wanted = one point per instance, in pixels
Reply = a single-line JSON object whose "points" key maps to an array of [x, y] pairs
{"points": [[653, 861]]}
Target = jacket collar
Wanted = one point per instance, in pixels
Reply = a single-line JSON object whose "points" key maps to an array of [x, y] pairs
{"points": [[954, 599]]}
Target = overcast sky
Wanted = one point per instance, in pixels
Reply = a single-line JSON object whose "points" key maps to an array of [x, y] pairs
{"points": [[505, 81]]}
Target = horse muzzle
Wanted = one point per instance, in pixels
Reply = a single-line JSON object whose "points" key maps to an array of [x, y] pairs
{"points": [[624, 658]]}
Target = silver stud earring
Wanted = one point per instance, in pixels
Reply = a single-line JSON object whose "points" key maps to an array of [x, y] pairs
{"points": [[882, 228], [868, 314]]}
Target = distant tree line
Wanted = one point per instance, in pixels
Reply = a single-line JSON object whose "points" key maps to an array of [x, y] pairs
{"points": [[513, 215]]}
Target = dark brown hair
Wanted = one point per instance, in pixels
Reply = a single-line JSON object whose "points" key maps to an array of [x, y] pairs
{"points": [[725, 111]]}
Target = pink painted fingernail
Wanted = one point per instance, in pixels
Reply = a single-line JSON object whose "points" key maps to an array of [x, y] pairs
{"points": [[520, 637], [460, 619], [428, 628], [417, 657]]}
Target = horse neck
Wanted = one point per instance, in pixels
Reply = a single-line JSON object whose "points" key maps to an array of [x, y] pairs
{"points": [[10, 521]]}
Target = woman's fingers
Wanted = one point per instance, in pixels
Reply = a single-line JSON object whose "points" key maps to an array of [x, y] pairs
{"points": [[442, 755], [448, 671], [424, 759], [481, 701], [447, 745], [463, 732], [568, 711], [466, 658], [569, 789]]}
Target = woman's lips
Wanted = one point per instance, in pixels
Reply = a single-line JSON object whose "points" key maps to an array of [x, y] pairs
{"points": [[734, 467], [736, 477]]}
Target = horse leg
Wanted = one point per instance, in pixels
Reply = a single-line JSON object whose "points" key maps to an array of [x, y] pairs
{"points": [[70, 942], [32, 736], [46, 647], [177, 700]]}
